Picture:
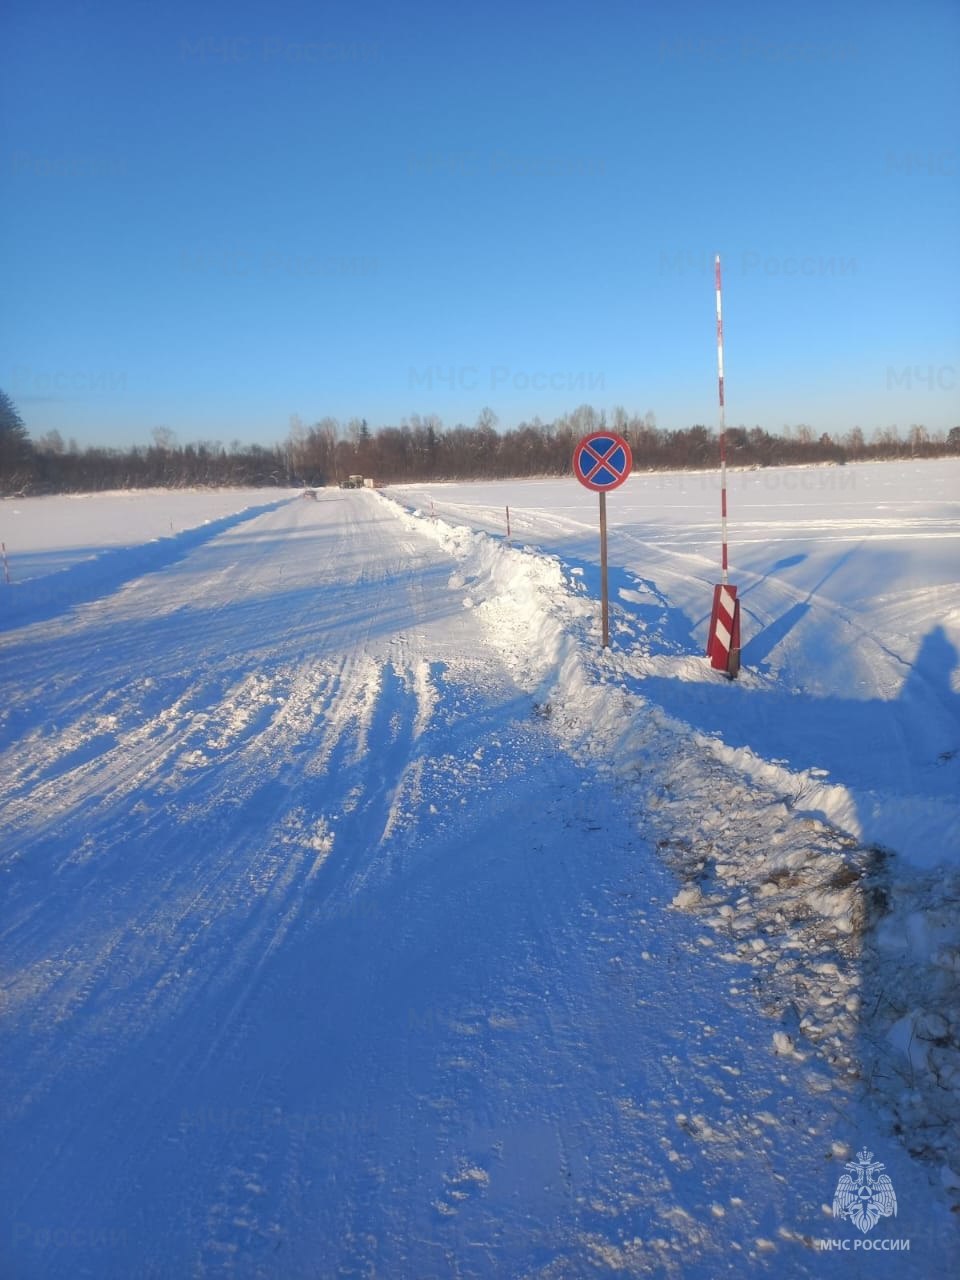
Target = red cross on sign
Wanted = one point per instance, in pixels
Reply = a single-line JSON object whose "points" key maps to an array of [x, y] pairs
{"points": [[602, 461]]}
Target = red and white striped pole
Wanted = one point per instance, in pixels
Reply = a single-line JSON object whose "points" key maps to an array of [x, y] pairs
{"points": [[723, 424], [723, 640]]}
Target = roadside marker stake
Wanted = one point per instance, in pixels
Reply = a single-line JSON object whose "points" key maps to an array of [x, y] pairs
{"points": [[6, 567], [723, 646], [603, 461], [508, 524], [723, 639]]}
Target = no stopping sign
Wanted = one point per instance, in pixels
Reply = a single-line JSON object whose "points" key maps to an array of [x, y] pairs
{"points": [[602, 461]]}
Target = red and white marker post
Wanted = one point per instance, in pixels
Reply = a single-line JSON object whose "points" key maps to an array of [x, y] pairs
{"points": [[723, 639]]}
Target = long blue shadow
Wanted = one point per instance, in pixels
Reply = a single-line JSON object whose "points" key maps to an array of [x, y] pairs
{"points": [[840, 735], [788, 562], [759, 647], [39, 600], [640, 602]]}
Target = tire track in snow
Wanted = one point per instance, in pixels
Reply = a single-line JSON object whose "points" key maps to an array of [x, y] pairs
{"points": [[180, 949], [201, 749]]}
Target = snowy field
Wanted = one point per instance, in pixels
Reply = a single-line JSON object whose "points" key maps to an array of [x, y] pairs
{"points": [[363, 918]]}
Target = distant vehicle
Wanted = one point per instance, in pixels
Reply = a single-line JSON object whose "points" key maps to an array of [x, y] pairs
{"points": [[309, 493], [352, 482]]}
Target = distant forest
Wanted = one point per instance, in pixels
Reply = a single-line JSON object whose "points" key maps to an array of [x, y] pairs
{"points": [[421, 449]]}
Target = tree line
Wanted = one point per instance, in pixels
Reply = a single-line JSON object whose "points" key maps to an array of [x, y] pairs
{"points": [[422, 449]]}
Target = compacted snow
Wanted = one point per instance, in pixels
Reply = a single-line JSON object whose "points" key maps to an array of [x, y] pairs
{"points": [[363, 918]]}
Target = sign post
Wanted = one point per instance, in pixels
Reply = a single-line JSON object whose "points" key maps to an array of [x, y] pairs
{"points": [[602, 461], [604, 596]]}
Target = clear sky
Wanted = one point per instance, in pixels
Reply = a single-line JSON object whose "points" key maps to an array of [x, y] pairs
{"points": [[216, 216]]}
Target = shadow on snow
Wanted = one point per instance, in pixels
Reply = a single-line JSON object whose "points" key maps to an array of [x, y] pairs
{"points": [[39, 600]]}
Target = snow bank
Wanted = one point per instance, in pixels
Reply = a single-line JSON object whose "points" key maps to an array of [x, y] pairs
{"points": [[856, 954], [851, 624]]}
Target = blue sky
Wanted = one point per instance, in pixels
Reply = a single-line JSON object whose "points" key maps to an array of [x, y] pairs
{"points": [[218, 216]]}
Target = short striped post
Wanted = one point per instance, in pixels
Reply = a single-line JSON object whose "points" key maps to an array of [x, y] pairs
{"points": [[508, 524], [723, 642], [6, 567], [723, 638]]}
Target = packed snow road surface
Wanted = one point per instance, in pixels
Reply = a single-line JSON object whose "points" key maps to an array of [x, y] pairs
{"points": [[330, 947]]}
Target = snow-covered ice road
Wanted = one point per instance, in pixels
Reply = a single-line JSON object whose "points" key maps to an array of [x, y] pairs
{"points": [[322, 958]]}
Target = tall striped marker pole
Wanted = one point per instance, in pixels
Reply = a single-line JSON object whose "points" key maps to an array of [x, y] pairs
{"points": [[723, 640], [723, 424]]}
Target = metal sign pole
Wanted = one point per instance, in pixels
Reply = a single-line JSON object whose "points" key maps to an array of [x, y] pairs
{"points": [[603, 569], [603, 461]]}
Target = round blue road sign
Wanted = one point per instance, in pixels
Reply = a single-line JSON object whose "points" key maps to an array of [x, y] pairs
{"points": [[602, 461]]}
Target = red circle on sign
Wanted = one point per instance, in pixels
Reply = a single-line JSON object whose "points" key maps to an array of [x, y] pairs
{"points": [[602, 461]]}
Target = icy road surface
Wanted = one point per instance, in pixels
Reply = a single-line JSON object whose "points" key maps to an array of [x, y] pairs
{"points": [[324, 954]]}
